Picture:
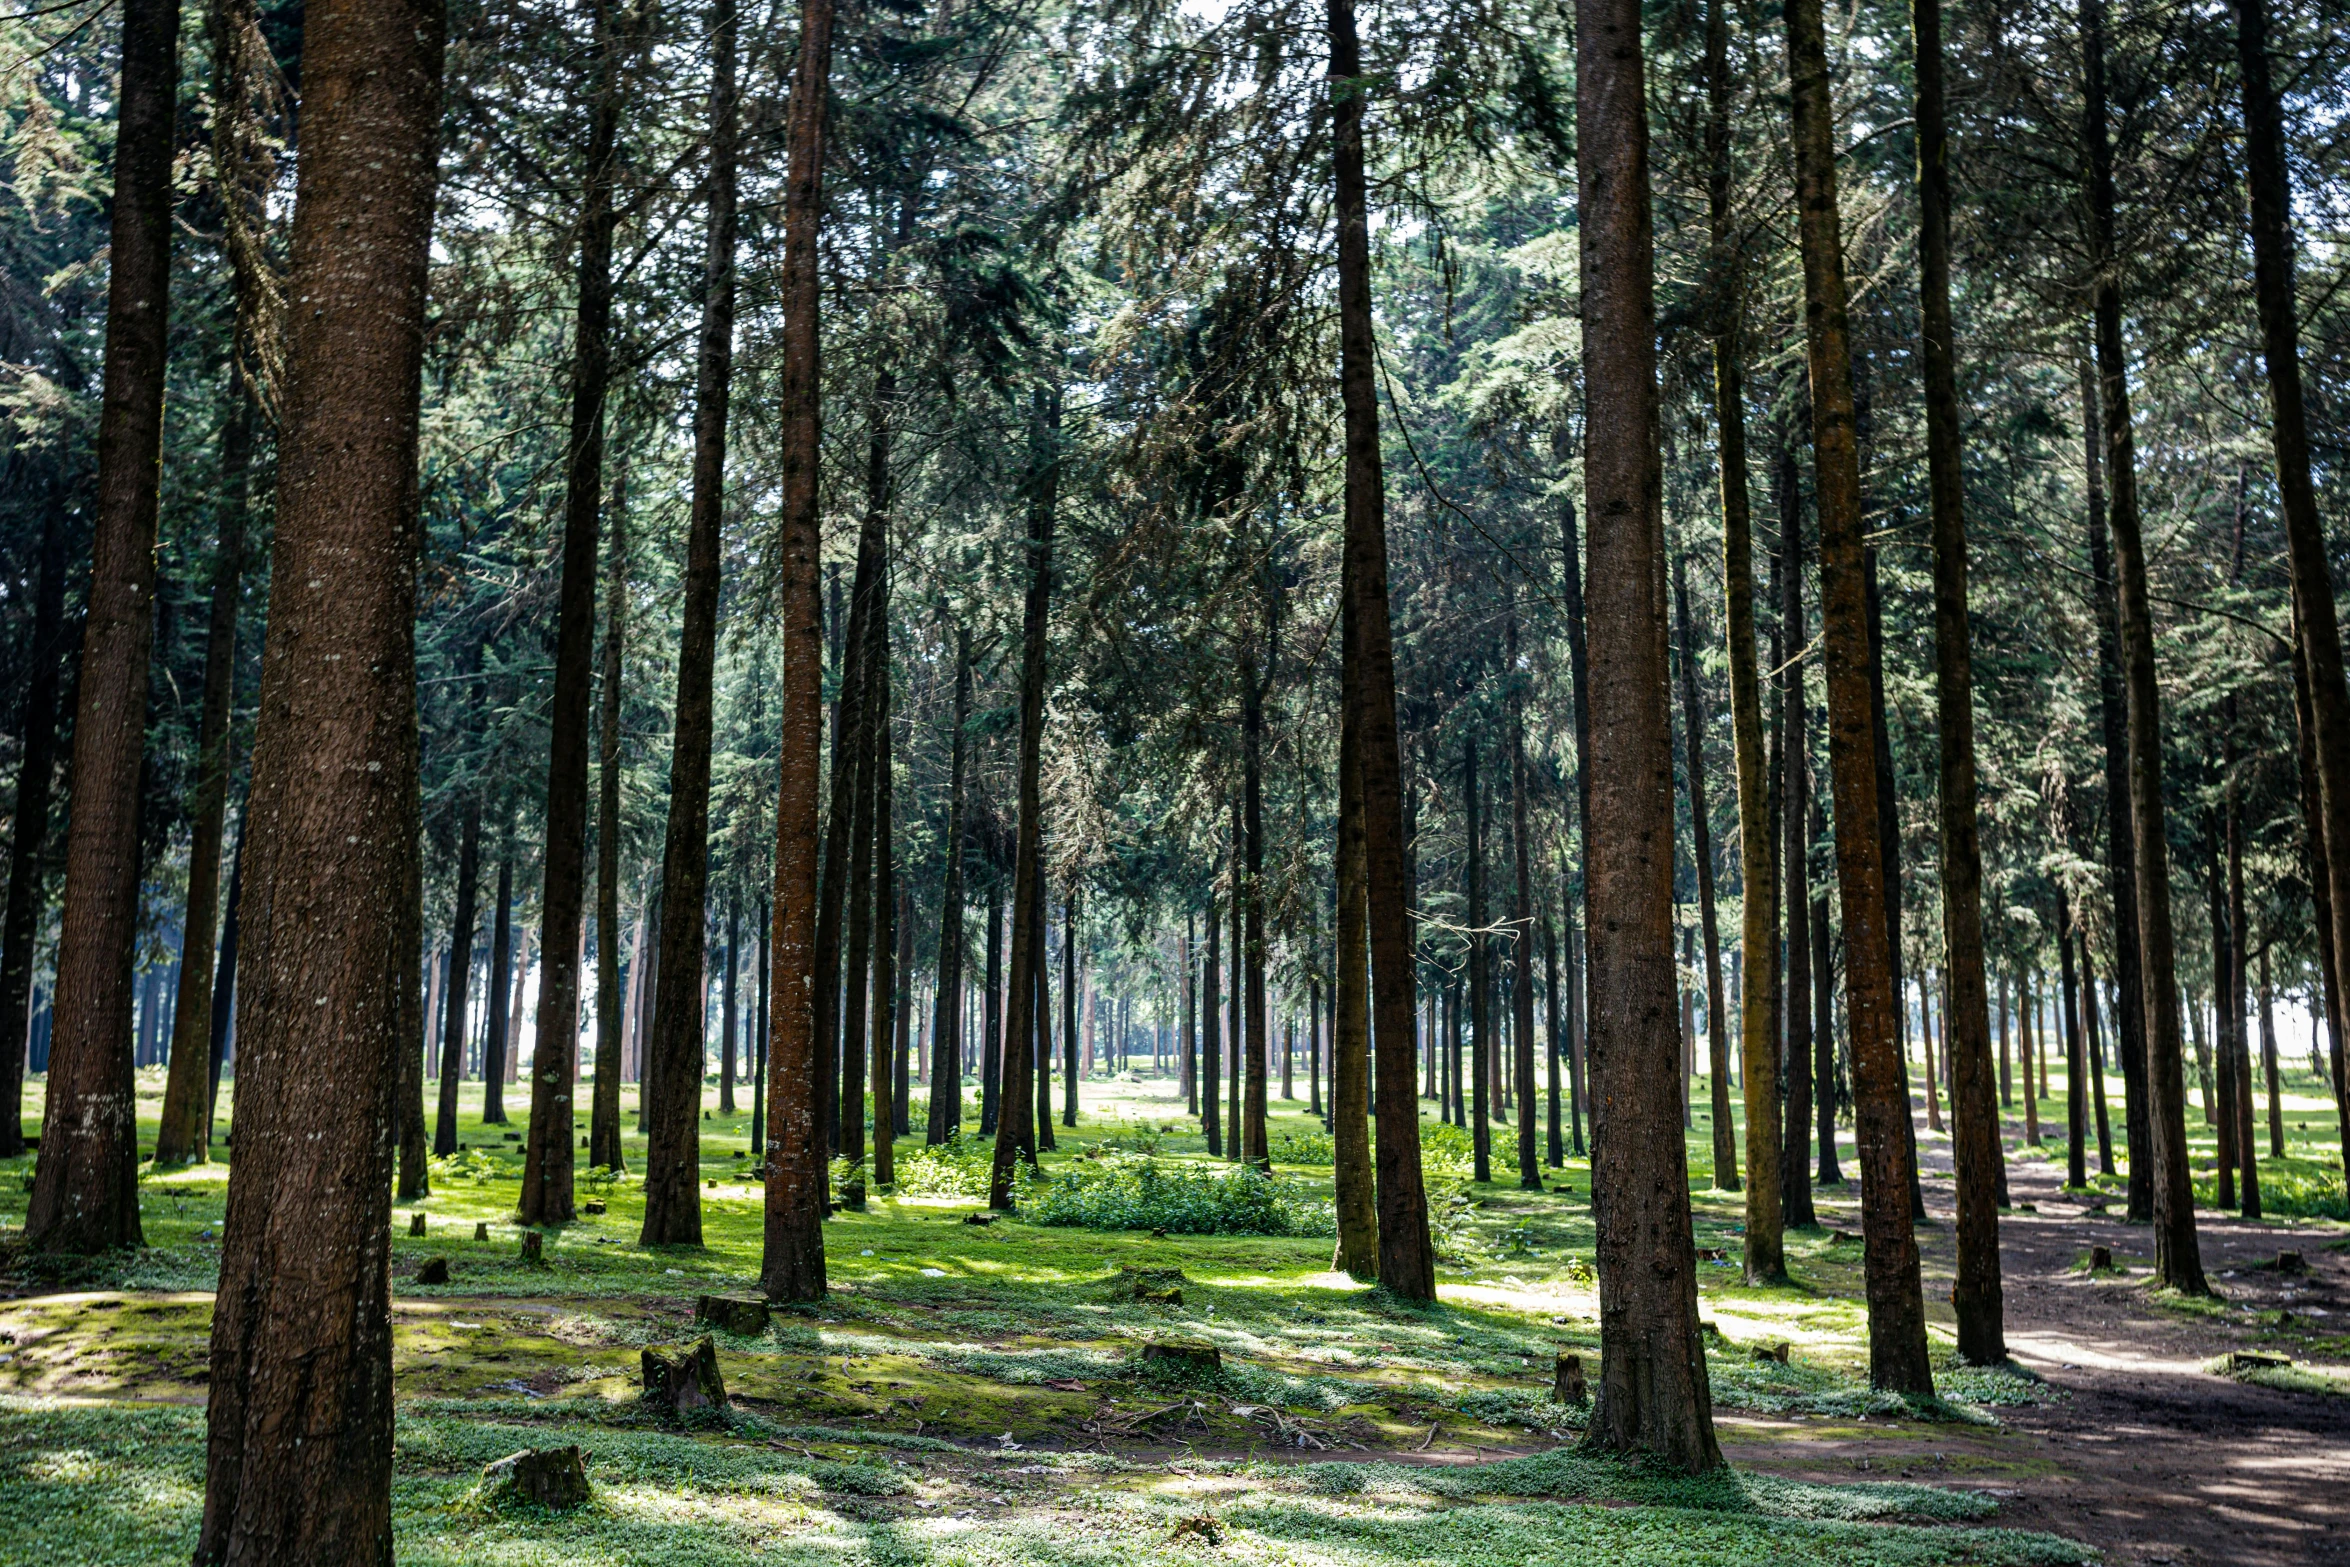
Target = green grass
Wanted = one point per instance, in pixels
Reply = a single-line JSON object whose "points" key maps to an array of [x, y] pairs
{"points": [[873, 1425]]}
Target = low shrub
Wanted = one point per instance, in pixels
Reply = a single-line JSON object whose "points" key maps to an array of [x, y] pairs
{"points": [[958, 1167], [1309, 1147], [1182, 1199]]}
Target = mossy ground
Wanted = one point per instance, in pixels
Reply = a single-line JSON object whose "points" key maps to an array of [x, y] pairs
{"points": [[973, 1394]]}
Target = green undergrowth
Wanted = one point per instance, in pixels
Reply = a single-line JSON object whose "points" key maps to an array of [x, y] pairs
{"points": [[1142, 1193], [121, 1486]]}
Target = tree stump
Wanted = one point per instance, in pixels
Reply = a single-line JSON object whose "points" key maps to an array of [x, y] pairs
{"points": [[416, 1224], [435, 1271], [2101, 1259], [1768, 1354], [981, 1219], [551, 1477], [1567, 1384], [534, 1247], [2291, 1262], [744, 1314], [1148, 1286], [481, 1232], [2255, 1360], [686, 1378], [1183, 1354], [592, 1209]]}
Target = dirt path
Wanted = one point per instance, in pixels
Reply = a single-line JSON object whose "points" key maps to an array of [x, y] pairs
{"points": [[2148, 1457]]}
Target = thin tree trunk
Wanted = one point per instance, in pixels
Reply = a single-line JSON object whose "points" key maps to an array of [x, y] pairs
{"points": [[85, 1195], [1522, 924], [1407, 1261], [946, 1029], [548, 1159], [1069, 1008], [1974, 1120], [28, 844], [673, 1207], [1235, 1020], [2317, 640], [497, 1040], [2314, 851], [224, 987], [444, 1141], [2031, 1038], [2096, 1030], [184, 1089], [1480, 979], [617, 1020], [1823, 1021], [2178, 1261], [992, 1029], [2268, 1061], [728, 1014], [1653, 1396], [1725, 1134], [1897, 1328], [1211, 1037], [2239, 1032], [1889, 852], [1042, 1124], [1553, 1006], [792, 1267], [1015, 1128], [759, 1047], [885, 913], [299, 1466], [2075, 1099], [1794, 807]]}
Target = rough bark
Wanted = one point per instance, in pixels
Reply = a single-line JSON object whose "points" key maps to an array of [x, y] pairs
{"points": [[1966, 1003], [2075, 1104], [1211, 1038], [501, 1022], [1357, 1252], [1407, 1261], [29, 841], [1480, 970], [1897, 1328], [2318, 644], [792, 1267], [885, 912], [1654, 1397], [1069, 1008], [85, 1186], [298, 1466]]}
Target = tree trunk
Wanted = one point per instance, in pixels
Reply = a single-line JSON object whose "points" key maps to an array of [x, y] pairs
{"points": [[299, 1467], [728, 1014], [1522, 923], [2076, 1173], [415, 1179], [1407, 1262], [1235, 1019], [1823, 1020], [1897, 1328], [885, 913], [946, 1029], [621, 1033], [1974, 1119], [1553, 1008], [1794, 807], [1069, 1008], [45, 661], [2095, 1029], [496, 1039], [992, 1028], [2318, 635], [1725, 1133], [2232, 996], [1015, 1127], [792, 1267], [1480, 979], [2314, 851], [1041, 1124], [1889, 850], [444, 1139], [2268, 1061], [673, 1208], [554, 1072], [85, 1195], [183, 1094], [759, 1044], [1211, 1039], [1653, 1398]]}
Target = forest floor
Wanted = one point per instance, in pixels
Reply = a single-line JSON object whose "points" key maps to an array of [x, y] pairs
{"points": [[973, 1394]]}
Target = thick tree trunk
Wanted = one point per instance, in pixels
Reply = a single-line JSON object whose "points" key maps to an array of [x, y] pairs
{"points": [[86, 1184], [444, 1137], [1653, 1398], [1889, 850], [2120, 839], [183, 1092], [885, 912], [792, 1267], [1795, 857], [673, 1205], [1693, 726], [1974, 1119], [1897, 1327], [1015, 1127], [1522, 924], [620, 1036], [554, 1071], [299, 1467], [1407, 1261], [2317, 640], [946, 1029], [28, 847], [1357, 1253]]}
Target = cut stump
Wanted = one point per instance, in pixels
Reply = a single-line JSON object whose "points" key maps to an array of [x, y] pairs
{"points": [[744, 1314], [1148, 1286], [2291, 1262], [2101, 1259], [416, 1224], [1567, 1383], [550, 1477], [435, 1271], [680, 1379], [481, 1232], [534, 1246], [1769, 1354]]}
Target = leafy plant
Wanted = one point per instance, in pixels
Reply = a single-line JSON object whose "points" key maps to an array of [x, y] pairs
{"points": [[1142, 1194]]}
